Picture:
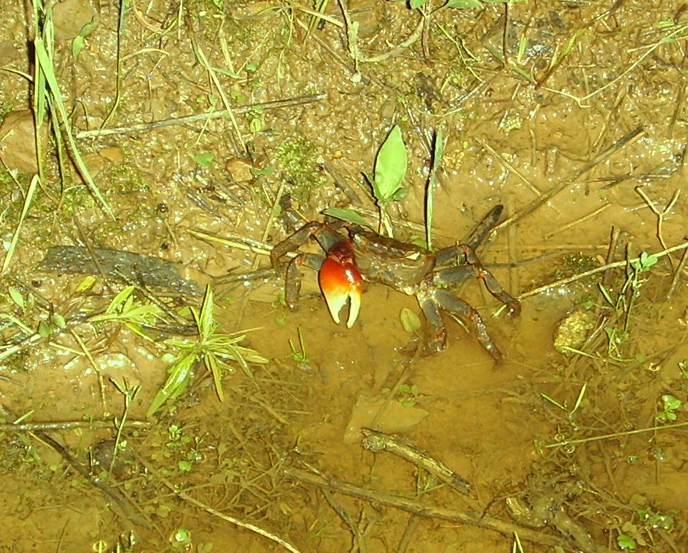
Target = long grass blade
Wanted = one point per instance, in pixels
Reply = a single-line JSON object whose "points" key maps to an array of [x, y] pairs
{"points": [[28, 200], [47, 69]]}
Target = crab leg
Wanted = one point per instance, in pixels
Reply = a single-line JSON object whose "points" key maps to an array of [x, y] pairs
{"points": [[293, 242], [294, 275], [454, 275], [431, 300]]}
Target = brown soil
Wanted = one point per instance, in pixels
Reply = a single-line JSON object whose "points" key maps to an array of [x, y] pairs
{"points": [[534, 102]]}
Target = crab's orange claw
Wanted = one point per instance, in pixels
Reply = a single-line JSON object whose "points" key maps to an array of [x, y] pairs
{"points": [[339, 282]]}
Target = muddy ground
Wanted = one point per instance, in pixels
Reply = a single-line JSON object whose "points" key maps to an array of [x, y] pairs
{"points": [[570, 114]]}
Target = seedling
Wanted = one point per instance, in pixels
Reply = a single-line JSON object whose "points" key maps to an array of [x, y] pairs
{"points": [[563, 407], [130, 311], [408, 395], [670, 404], [129, 396], [300, 355], [214, 349]]}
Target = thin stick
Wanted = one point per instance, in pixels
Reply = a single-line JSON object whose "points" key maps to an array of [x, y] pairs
{"points": [[618, 434], [424, 509], [240, 523], [591, 272], [660, 214], [677, 274], [579, 221], [547, 196], [277, 104], [126, 508], [417, 33], [510, 167], [69, 425]]}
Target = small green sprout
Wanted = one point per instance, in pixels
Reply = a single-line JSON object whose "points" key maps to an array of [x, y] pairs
{"points": [[644, 263], [300, 355], [563, 406], [408, 395], [625, 542], [130, 311], [670, 404], [214, 349]]}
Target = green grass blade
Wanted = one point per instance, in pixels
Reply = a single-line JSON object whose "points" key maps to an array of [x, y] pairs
{"points": [[47, 69], [28, 200]]}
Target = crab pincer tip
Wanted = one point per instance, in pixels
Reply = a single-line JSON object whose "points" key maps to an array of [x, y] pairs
{"points": [[341, 282]]}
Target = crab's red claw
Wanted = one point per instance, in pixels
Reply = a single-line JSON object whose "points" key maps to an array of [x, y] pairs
{"points": [[339, 282]]}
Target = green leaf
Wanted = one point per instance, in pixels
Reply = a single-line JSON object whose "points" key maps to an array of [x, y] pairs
{"points": [[176, 382], [213, 366], [17, 297], [206, 321], [390, 167], [77, 45], [409, 320], [415, 4], [625, 542], [348, 215], [204, 159]]}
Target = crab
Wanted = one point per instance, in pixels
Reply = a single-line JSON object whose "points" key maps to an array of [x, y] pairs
{"points": [[354, 254]]}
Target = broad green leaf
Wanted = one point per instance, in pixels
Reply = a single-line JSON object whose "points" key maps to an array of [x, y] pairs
{"points": [[415, 4], [77, 45], [348, 215], [17, 297], [390, 166]]}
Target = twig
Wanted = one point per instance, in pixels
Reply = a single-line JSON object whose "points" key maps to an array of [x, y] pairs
{"points": [[509, 166], [574, 278], [68, 425], [277, 104], [677, 274], [426, 510], [660, 214], [578, 221], [547, 196], [376, 441], [417, 33], [618, 434], [126, 508], [359, 539], [240, 523]]}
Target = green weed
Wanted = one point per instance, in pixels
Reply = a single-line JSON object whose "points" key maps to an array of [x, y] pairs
{"points": [[670, 405], [569, 412], [299, 355], [297, 159], [217, 352]]}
